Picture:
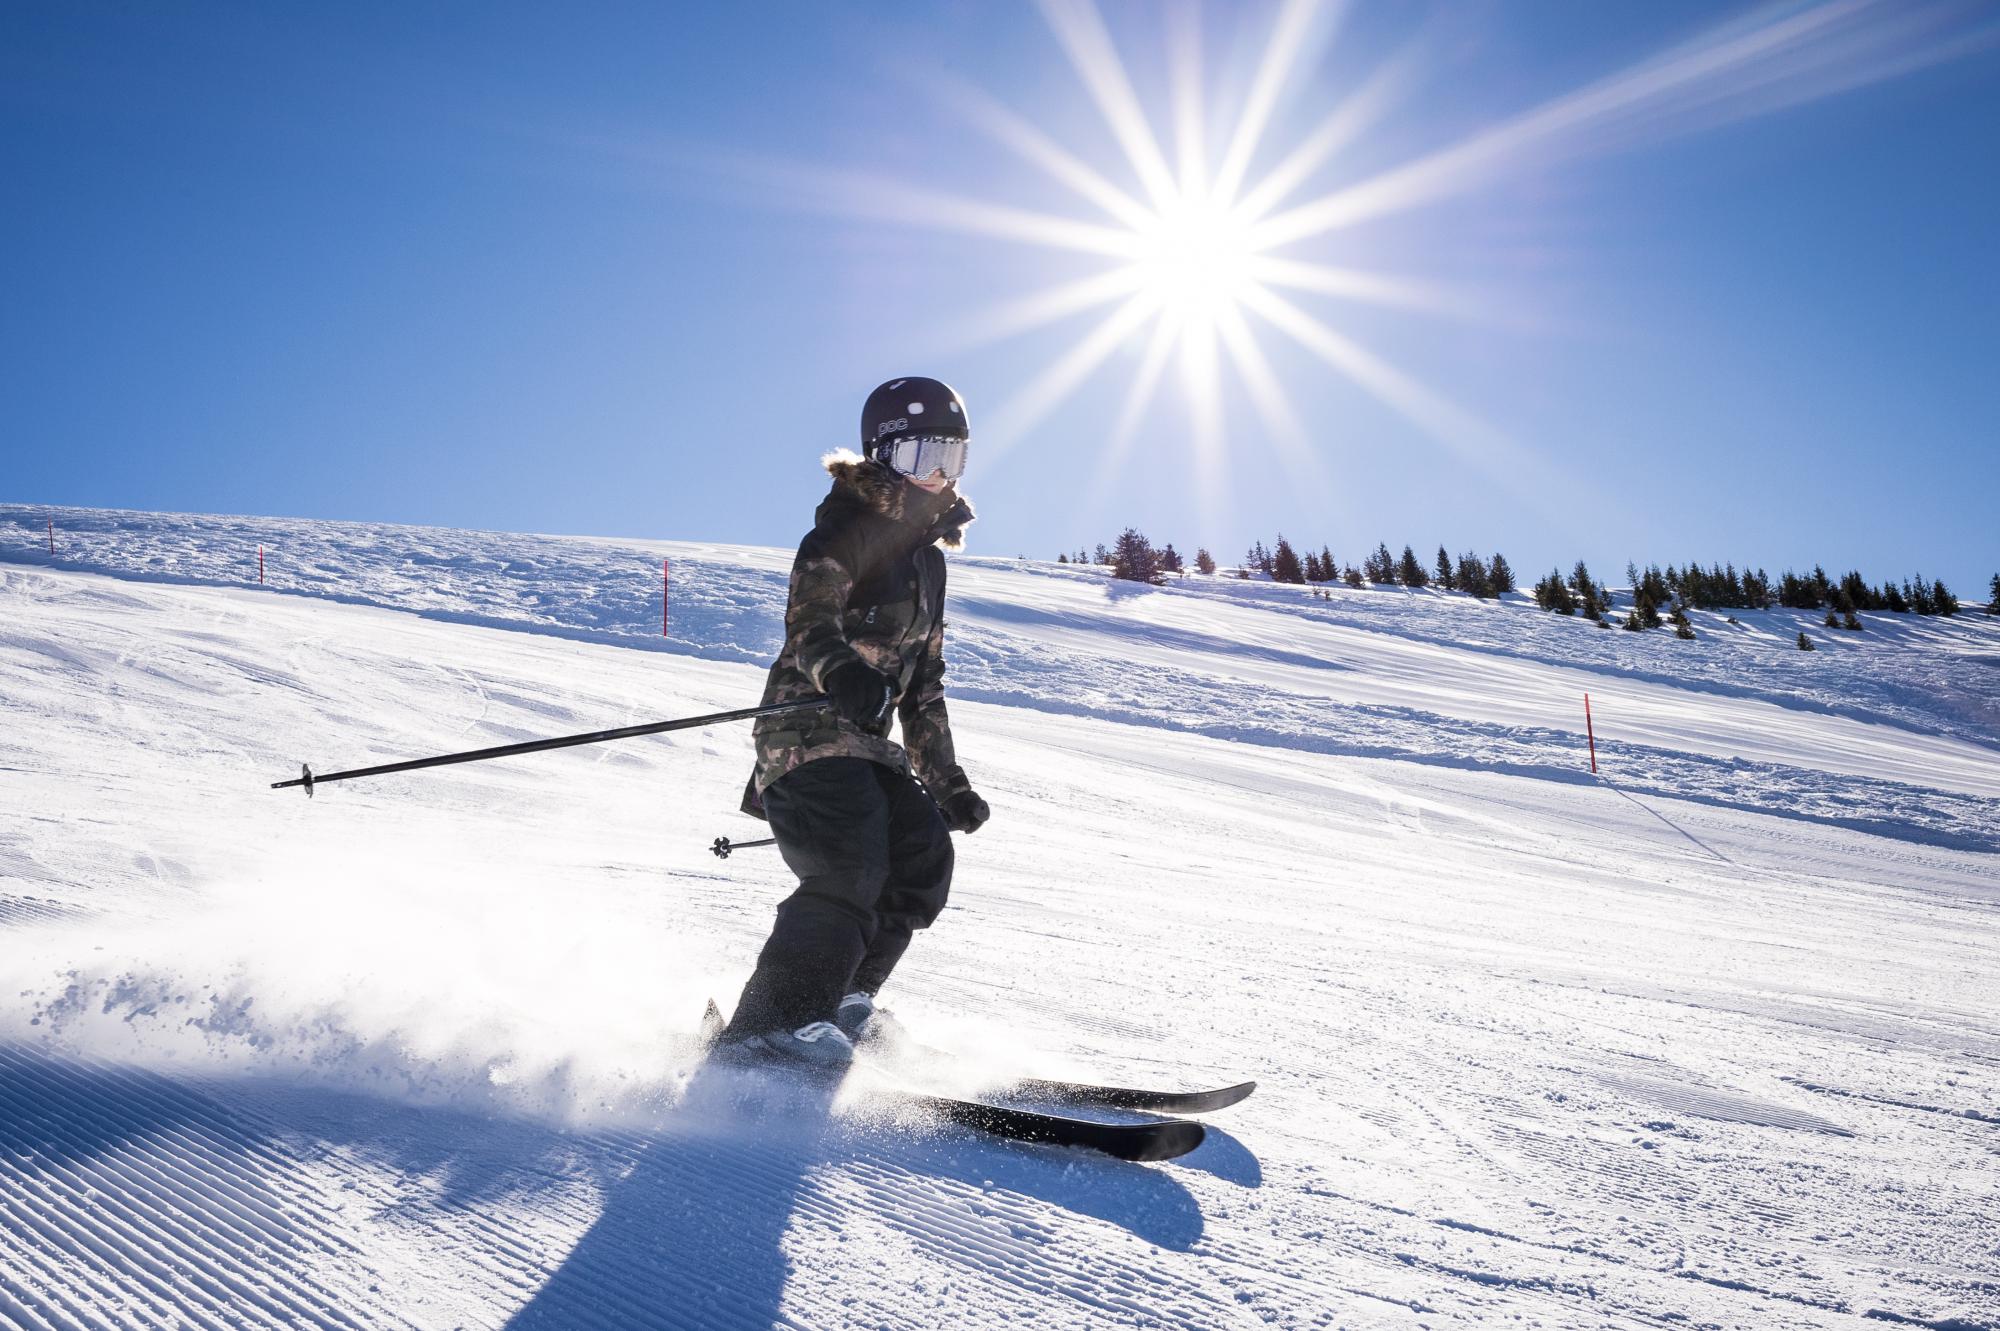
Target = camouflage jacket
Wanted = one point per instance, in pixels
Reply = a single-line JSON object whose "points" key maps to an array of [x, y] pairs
{"points": [[868, 583]]}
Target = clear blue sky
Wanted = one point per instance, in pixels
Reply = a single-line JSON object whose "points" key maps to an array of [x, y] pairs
{"points": [[1664, 281]]}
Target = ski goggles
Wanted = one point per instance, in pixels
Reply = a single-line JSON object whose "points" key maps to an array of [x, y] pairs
{"points": [[919, 455]]}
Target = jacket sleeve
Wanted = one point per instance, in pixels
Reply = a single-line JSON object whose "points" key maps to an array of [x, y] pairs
{"points": [[821, 583], [926, 728]]}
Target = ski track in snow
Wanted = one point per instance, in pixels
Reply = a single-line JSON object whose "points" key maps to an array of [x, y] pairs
{"points": [[1714, 1045]]}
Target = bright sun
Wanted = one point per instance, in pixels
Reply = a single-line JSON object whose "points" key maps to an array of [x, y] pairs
{"points": [[1199, 244], [1194, 260], [1192, 244]]}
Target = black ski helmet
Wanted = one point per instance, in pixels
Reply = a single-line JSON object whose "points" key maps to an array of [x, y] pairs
{"points": [[913, 405]]}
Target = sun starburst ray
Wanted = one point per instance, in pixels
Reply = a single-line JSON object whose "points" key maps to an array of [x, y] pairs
{"points": [[1040, 309], [1079, 29], [876, 198], [1012, 132], [1779, 43], [1054, 385], [1202, 390], [1139, 396], [1449, 424], [1357, 284], [1184, 79], [1355, 116], [1271, 403], [1281, 53]]}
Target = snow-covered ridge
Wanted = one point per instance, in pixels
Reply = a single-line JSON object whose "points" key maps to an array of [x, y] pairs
{"points": [[1894, 729]]}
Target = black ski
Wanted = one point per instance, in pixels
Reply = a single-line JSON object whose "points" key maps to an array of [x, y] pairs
{"points": [[1053, 1091], [1120, 1097], [1160, 1140]]}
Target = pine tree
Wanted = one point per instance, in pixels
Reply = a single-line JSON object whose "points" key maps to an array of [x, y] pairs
{"points": [[1920, 596], [1204, 562], [1851, 621], [1805, 643], [1135, 560], [1472, 575], [1893, 599], [1653, 584], [1442, 571], [1170, 560], [1993, 596], [1645, 609], [1285, 565], [1832, 618], [1942, 601], [1683, 627], [1499, 576], [1352, 577], [1552, 593], [1062, 559], [1103, 555], [1409, 571], [1328, 570], [1581, 583]]}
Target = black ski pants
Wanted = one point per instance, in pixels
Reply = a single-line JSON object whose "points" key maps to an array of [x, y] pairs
{"points": [[874, 861]]}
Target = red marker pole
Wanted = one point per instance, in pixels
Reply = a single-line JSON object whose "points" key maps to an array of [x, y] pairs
{"points": [[1592, 730], [260, 566], [666, 572], [52, 535]]}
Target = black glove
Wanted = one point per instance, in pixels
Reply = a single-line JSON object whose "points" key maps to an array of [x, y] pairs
{"points": [[859, 693], [965, 812]]}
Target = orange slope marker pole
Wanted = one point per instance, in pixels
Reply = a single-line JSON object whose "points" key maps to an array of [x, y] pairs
{"points": [[1591, 729]]}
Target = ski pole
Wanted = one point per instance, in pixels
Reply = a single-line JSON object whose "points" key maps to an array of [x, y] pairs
{"points": [[723, 845], [308, 780]]}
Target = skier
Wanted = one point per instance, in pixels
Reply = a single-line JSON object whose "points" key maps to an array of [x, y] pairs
{"points": [[864, 822]]}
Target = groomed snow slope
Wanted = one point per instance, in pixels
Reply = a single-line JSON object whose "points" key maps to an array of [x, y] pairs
{"points": [[1709, 1042]]}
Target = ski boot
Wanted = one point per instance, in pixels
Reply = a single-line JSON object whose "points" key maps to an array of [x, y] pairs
{"points": [[818, 1046], [866, 1024]]}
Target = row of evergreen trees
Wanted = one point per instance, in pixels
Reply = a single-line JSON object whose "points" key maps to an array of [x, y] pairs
{"points": [[1470, 572], [1919, 595], [1723, 588], [1137, 559], [1676, 590]]}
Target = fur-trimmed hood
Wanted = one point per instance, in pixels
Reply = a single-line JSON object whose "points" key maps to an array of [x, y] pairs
{"points": [[858, 480]]}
